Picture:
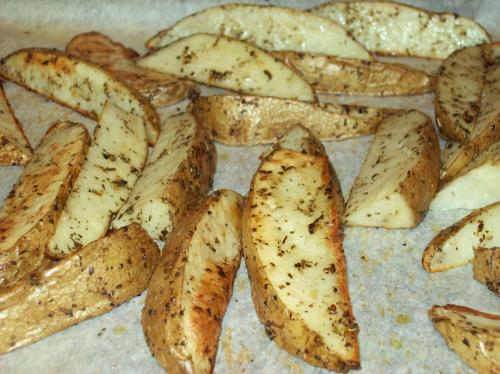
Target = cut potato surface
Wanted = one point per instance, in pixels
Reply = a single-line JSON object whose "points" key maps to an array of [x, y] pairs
{"points": [[78, 84], [391, 28], [114, 162], [472, 334], [486, 267], [190, 290], [244, 68], [292, 239], [159, 89], [14, 146], [249, 120], [97, 279], [343, 76], [454, 246], [399, 176], [268, 27], [179, 171], [29, 214]]}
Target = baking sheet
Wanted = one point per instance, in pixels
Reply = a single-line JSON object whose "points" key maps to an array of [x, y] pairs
{"points": [[389, 290]]}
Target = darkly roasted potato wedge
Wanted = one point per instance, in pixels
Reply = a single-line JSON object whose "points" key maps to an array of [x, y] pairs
{"points": [[292, 243], [249, 120], [486, 267], [472, 334], [160, 89], [344, 76], [14, 146], [91, 282], [391, 28], [179, 171], [190, 290], [78, 84], [29, 215]]}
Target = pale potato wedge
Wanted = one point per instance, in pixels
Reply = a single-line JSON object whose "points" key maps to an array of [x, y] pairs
{"points": [[475, 186], [15, 148], [244, 68], [114, 162], [459, 84], [299, 139], [486, 267], [278, 28], [179, 171], [78, 84], [29, 215], [391, 28], [249, 120], [454, 246], [472, 334], [292, 243], [160, 89], [91, 282], [346, 76], [190, 290], [399, 176]]}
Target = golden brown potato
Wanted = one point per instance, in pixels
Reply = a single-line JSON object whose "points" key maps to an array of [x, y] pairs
{"points": [[160, 89], [29, 215], [189, 292], [486, 266], [249, 120], [93, 281]]}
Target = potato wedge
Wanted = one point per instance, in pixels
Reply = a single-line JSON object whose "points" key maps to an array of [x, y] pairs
{"points": [[114, 162], [343, 76], [244, 68], [472, 334], [159, 89], [179, 171], [454, 158], [29, 214], [491, 52], [278, 28], [399, 176], [190, 290], [486, 267], [80, 85], [249, 120], [477, 184], [292, 243], [391, 28], [454, 246], [97, 279], [459, 84], [14, 146]]}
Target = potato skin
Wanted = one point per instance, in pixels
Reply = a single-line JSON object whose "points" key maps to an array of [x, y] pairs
{"points": [[93, 281], [486, 267]]}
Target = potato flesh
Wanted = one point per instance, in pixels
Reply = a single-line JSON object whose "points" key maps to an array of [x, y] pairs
{"points": [[269, 28], [113, 164], [244, 68], [397, 29]]}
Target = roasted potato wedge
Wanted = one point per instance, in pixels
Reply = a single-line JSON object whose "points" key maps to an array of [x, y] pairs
{"points": [[78, 84], [113, 164], [190, 290], [399, 176], [160, 89], [292, 240], [244, 68], [345, 76], [454, 246], [97, 279], [179, 171], [15, 148], [491, 52], [249, 120], [391, 28], [278, 29], [473, 335], [29, 215], [477, 184], [486, 267]]}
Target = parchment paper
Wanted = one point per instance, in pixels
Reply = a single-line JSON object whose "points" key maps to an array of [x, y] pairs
{"points": [[389, 290]]}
